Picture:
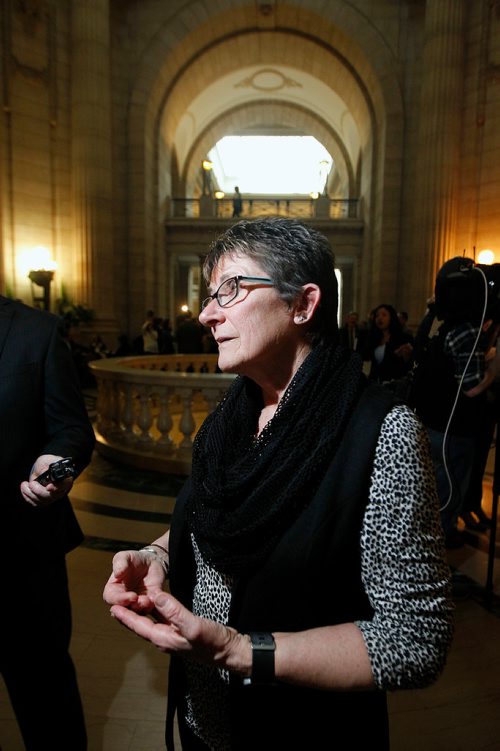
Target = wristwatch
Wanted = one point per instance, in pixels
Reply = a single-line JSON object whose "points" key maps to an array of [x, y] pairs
{"points": [[263, 648]]}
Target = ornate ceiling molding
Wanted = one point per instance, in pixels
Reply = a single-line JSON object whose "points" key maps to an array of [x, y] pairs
{"points": [[267, 80]]}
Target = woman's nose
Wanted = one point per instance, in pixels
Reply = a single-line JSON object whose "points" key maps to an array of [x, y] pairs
{"points": [[210, 312]]}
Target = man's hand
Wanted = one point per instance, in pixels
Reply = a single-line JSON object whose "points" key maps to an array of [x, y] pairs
{"points": [[39, 495]]}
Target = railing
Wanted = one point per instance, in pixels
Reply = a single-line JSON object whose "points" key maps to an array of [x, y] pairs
{"points": [[150, 407], [304, 208]]}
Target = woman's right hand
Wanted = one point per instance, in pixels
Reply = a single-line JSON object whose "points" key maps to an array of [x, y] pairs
{"points": [[137, 578]]}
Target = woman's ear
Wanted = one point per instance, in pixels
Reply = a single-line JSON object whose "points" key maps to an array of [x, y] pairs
{"points": [[307, 303]]}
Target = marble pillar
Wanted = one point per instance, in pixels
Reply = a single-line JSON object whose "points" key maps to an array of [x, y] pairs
{"points": [[439, 139], [91, 159]]}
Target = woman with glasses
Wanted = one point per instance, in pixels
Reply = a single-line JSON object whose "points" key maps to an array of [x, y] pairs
{"points": [[306, 564]]}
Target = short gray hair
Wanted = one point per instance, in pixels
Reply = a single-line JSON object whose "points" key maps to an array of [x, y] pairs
{"points": [[291, 254]]}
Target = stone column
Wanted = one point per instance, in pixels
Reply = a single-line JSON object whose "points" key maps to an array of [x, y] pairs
{"points": [[91, 159], [439, 141]]}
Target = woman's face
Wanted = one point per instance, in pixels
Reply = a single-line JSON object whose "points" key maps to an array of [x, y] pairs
{"points": [[382, 319], [256, 331]]}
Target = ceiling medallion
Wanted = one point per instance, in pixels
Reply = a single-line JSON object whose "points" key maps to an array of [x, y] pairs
{"points": [[267, 79]]}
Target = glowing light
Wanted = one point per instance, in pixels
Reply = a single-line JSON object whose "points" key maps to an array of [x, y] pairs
{"points": [[207, 165], [35, 259], [184, 308], [219, 194], [486, 257]]}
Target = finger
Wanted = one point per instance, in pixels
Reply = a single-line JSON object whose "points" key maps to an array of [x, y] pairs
{"points": [[189, 626], [122, 562], [31, 495], [115, 594], [59, 489], [206, 639], [162, 635], [172, 611]]}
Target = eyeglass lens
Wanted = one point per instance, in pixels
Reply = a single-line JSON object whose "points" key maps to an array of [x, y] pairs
{"points": [[227, 291]]}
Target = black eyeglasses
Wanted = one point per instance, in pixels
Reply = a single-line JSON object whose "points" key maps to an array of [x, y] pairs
{"points": [[230, 289]]}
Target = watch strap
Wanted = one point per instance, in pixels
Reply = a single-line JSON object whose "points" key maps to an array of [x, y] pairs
{"points": [[263, 648]]}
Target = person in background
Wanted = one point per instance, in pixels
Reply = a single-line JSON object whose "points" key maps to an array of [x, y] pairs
{"points": [[403, 320], [388, 348], [189, 335], [471, 509], [150, 334], [237, 202], [305, 555], [43, 420], [124, 348], [455, 367], [166, 338], [351, 335]]}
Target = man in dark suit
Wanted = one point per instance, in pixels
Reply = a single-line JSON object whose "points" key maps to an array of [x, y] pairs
{"points": [[350, 334], [42, 419]]}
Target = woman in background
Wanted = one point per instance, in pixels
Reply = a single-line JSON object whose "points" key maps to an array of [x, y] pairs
{"points": [[389, 348]]}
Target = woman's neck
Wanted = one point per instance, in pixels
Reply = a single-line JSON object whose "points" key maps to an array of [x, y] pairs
{"points": [[274, 387]]}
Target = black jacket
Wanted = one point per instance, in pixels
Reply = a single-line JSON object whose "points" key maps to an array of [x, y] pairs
{"points": [[41, 412]]}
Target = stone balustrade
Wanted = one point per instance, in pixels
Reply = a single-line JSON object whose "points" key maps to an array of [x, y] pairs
{"points": [[150, 407], [302, 208]]}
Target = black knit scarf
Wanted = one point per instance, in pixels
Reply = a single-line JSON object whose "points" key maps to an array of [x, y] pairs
{"points": [[245, 491]]}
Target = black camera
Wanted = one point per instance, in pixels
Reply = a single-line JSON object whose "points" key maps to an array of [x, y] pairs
{"points": [[492, 274], [57, 471], [461, 287]]}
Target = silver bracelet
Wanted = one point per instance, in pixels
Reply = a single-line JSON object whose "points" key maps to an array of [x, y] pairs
{"points": [[163, 560], [155, 545]]}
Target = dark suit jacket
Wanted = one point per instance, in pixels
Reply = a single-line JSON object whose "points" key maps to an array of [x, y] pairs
{"points": [[41, 412]]}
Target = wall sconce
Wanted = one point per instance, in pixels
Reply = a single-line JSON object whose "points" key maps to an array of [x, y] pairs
{"points": [[42, 278], [40, 268]]}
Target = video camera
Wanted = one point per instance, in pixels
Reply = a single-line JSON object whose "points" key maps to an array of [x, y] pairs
{"points": [[492, 274], [460, 290]]}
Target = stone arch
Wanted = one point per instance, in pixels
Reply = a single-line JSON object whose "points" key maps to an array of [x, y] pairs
{"points": [[337, 33]]}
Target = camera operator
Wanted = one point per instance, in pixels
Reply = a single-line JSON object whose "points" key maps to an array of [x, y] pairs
{"points": [[455, 367]]}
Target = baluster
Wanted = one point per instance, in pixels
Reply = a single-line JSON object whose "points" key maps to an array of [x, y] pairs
{"points": [[114, 409], [145, 416], [128, 417], [186, 423], [164, 421], [212, 398]]}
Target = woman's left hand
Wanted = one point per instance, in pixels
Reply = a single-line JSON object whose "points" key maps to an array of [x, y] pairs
{"points": [[174, 629]]}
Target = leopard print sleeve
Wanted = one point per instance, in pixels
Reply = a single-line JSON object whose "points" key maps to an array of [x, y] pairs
{"points": [[404, 568]]}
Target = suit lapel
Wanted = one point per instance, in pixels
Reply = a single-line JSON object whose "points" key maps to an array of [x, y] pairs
{"points": [[6, 318]]}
